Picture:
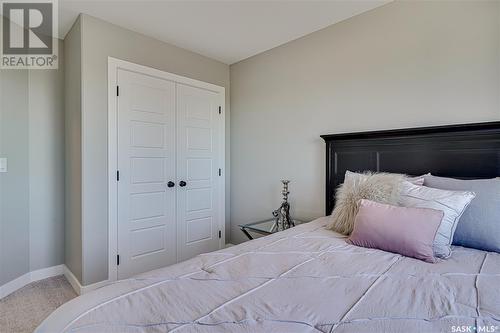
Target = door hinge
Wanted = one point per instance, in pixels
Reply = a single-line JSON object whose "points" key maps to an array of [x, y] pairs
{"points": [[117, 175], [220, 234], [117, 90], [220, 109], [117, 260], [220, 172]]}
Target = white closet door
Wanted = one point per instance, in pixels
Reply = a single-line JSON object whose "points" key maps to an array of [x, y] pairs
{"points": [[198, 162], [146, 163]]}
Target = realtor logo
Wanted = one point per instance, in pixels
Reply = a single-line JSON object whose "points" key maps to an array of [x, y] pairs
{"points": [[28, 31]]}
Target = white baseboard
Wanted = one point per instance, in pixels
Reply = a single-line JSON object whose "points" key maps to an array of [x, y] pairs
{"points": [[77, 286], [45, 273], [73, 281], [14, 285], [30, 277], [94, 286]]}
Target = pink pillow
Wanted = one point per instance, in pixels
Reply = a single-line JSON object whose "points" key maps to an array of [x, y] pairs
{"points": [[407, 231]]}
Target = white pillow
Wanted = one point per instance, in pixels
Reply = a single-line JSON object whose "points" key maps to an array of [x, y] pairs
{"points": [[452, 203], [417, 180]]}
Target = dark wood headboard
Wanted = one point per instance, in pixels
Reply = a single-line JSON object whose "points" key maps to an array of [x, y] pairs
{"points": [[460, 151]]}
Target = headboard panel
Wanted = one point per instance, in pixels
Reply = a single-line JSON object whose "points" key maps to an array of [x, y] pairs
{"points": [[461, 151]]}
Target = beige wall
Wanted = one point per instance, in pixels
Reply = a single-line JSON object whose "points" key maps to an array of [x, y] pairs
{"points": [[405, 64], [99, 41], [73, 149]]}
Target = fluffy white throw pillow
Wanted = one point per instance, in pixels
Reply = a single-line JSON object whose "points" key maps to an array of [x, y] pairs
{"points": [[379, 187]]}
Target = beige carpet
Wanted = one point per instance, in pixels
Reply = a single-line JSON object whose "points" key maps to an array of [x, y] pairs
{"points": [[23, 310]]}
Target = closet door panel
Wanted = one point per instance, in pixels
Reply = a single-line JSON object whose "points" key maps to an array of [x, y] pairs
{"points": [[198, 151], [146, 162]]}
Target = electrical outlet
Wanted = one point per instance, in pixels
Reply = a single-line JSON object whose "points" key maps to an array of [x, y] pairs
{"points": [[3, 164]]}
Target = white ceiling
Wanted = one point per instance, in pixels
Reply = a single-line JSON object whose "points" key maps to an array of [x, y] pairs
{"points": [[228, 31]]}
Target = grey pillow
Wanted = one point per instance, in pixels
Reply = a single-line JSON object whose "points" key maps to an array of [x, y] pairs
{"points": [[452, 203], [479, 226]]}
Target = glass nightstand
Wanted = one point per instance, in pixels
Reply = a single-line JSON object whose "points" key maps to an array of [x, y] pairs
{"points": [[265, 227]]}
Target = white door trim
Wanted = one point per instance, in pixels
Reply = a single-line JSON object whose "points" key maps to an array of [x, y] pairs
{"points": [[113, 65]]}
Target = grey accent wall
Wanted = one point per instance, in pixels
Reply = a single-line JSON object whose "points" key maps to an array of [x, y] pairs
{"points": [[46, 165], [406, 64], [32, 191], [73, 150], [99, 41], [14, 187]]}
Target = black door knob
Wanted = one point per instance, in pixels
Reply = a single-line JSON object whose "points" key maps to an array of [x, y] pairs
{"points": [[182, 183], [170, 184]]}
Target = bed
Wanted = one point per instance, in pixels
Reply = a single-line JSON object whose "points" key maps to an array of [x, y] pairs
{"points": [[308, 279]]}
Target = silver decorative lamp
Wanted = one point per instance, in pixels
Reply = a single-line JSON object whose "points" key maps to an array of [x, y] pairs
{"points": [[282, 214]]}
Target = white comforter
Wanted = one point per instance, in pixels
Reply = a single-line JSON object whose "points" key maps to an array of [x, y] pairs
{"points": [[306, 279]]}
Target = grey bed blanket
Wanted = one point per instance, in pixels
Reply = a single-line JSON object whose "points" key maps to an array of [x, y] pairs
{"points": [[306, 279]]}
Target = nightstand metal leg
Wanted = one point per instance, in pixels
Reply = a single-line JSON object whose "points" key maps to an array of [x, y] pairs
{"points": [[246, 233]]}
